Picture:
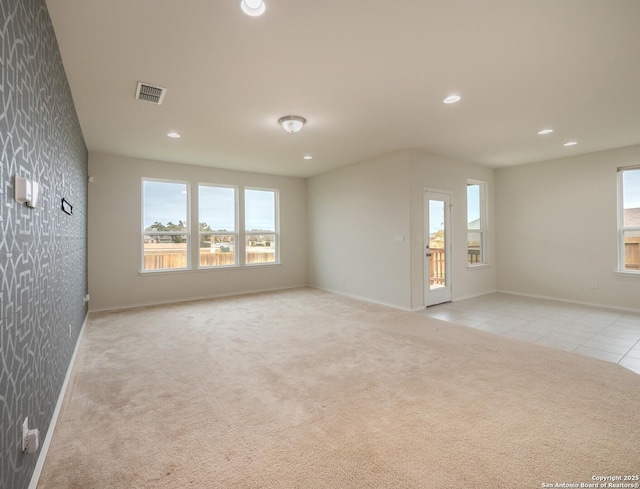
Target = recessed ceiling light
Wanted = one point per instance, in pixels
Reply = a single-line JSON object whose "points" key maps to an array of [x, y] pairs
{"points": [[570, 143], [254, 8], [545, 131], [452, 99], [307, 157], [174, 135]]}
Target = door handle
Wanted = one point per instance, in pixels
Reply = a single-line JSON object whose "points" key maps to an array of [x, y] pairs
{"points": [[429, 254]]}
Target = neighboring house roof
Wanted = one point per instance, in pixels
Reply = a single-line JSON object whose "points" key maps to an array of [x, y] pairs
{"points": [[632, 217]]}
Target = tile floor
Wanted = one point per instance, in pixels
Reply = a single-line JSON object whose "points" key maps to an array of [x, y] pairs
{"points": [[608, 334]]}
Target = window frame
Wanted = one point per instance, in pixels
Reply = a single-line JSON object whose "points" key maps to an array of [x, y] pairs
{"points": [[193, 234], [482, 225], [186, 232], [275, 232], [621, 227], [235, 233]]}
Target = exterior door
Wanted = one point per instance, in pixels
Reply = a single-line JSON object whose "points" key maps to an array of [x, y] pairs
{"points": [[437, 247]]}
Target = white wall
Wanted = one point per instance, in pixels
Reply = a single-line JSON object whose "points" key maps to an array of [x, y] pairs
{"points": [[557, 223], [115, 225], [355, 214]]}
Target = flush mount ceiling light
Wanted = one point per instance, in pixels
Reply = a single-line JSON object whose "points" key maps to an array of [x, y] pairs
{"points": [[307, 157], [292, 123], [545, 131], [254, 8], [174, 135], [570, 143], [452, 99]]}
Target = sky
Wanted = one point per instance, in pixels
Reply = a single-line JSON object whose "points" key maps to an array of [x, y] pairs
{"points": [[167, 201], [473, 203], [631, 189]]}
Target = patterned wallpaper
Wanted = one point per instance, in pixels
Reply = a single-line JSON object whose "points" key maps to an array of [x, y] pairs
{"points": [[43, 251]]}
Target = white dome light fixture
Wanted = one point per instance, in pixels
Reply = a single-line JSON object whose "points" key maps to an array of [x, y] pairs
{"points": [[253, 8], [544, 132], [292, 123]]}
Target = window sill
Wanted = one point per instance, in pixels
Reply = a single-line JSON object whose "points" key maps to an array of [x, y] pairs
{"points": [[479, 266], [147, 273], [628, 274]]}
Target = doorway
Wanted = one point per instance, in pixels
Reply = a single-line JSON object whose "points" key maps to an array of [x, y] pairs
{"points": [[437, 247]]}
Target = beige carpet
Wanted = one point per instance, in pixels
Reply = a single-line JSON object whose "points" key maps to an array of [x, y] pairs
{"points": [[305, 389]]}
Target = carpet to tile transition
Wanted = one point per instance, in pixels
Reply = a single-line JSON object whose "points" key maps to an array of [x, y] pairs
{"points": [[306, 389]]}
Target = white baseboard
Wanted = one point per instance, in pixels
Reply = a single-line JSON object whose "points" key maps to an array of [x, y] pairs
{"points": [[35, 477], [568, 301], [196, 298], [471, 296], [358, 297]]}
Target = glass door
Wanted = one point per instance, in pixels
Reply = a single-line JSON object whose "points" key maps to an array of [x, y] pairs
{"points": [[437, 207]]}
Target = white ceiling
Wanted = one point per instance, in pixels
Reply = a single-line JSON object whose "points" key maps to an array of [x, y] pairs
{"points": [[369, 77]]}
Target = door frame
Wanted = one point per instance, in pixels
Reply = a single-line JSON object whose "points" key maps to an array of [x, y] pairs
{"points": [[443, 294]]}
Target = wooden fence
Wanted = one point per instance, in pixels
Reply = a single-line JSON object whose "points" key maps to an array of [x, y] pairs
{"points": [[437, 267], [632, 255], [473, 255], [176, 259]]}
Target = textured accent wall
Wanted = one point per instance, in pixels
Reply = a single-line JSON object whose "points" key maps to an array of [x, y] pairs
{"points": [[43, 251]]}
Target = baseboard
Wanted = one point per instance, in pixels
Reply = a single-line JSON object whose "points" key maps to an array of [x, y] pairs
{"points": [[568, 301], [358, 297], [196, 298], [471, 296], [35, 477], [464, 297]]}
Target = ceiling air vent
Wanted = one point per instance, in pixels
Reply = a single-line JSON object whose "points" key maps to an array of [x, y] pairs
{"points": [[150, 93]]}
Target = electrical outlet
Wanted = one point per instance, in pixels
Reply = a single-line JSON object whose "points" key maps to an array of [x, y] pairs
{"points": [[342, 277], [594, 284]]}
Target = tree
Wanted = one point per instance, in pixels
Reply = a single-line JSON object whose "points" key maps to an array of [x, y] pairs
{"points": [[171, 227]]}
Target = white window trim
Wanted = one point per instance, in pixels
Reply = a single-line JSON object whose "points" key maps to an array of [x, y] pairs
{"points": [[275, 232], [483, 224], [621, 228]]}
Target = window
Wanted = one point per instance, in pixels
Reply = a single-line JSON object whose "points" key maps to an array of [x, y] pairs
{"points": [[235, 227], [476, 222], [261, 226], [165, 228], [217, 227], [629, 219]]}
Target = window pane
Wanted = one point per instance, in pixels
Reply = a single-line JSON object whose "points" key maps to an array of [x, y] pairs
{"points": [[473, 206], [163, 252], [165, 206], [260, 210], [165, 211], [217, 208], [474, 243], [261, 248], [632, 250], [631, 197], [217, 250]]}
